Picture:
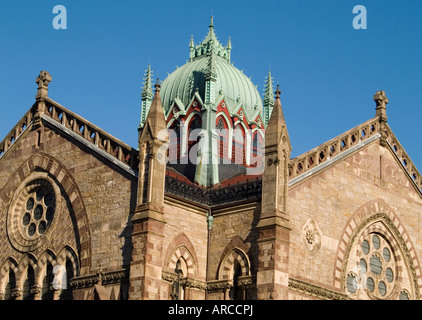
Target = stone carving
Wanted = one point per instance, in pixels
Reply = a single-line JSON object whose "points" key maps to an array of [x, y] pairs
{"points": [[247, 190], [311, 236]]}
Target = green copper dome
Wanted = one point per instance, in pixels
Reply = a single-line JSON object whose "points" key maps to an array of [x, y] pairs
{"points": [[211, 61]]}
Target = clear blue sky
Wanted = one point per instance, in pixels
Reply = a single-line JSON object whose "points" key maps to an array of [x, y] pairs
{"points": [[328, 72]]}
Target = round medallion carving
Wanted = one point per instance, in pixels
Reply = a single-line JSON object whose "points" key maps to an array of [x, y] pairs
{"points": [[31, 214], [311, 236]]}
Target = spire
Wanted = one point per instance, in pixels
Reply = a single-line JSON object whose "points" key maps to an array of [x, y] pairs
{"points": [[147, 89], [268, 100], [277, 114], [277, 124], [146, 95], [209, 45], [191, 49], [156, 116], [229, 49], [229, 44]]}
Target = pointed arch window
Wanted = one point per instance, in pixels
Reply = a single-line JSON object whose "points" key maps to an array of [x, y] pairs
{"points": [[377, 267], [192, 136], [238, 148], [236, 291], [174, 142], [28, 284], [223, 138], [177, 290], [257, 149], [47, 289], [11, 284], [67, 293]]}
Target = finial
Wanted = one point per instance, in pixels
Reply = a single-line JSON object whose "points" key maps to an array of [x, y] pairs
{"points": [[212, 22], [157, 85], [43, 81], [381, 101], [229, 44], [278, 92]]}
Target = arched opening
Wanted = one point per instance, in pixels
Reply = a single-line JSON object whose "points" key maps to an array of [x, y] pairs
{"points": [[376, 263], [11, 284], [177, 290], [67, 292], [257, 150], [223, 138], [236, 291], [47, 289], [174, 142], [193, 135], [28, 284], [238, 148]]}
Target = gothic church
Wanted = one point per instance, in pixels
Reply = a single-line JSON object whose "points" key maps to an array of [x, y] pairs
{"points": [[210, 204]]}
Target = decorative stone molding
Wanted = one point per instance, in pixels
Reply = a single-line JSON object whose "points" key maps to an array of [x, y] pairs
{"points": [[333, 148], [226, 284], [96, 138], [187, 282], [250, 189], [311, 236], [89, 281], [368, 214], [219, 285], [21, 217], [316, 291]]}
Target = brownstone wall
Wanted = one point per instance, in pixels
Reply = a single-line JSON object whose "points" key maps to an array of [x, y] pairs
{"points": [[332, 198], [101, 198], [233, 227]]}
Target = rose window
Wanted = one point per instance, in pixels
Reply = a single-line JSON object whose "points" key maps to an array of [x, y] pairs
{"points": [[32, 214], [39, 212], [376, 268]]}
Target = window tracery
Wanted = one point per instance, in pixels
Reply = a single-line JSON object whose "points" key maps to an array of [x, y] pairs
{"points": [[377, 267]]}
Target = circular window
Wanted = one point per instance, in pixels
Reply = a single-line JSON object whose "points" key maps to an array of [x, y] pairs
{"points": [[376, 265], [39, 211], [31, 214]]}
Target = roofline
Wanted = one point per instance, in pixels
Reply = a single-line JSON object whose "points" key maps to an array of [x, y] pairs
{"points": [[89, 145], [73, 125], [361, 144]]}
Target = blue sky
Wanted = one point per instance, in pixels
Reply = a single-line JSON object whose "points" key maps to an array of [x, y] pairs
{"points": [[328, 72]]}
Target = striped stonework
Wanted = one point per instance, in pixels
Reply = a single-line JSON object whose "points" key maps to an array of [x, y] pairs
{"points": [[183, 253], [226, 268]]}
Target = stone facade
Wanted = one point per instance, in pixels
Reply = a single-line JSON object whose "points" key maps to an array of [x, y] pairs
{"points": [[341, 221]]}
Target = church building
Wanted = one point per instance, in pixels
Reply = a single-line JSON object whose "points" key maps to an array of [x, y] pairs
{"points": [[210, 205]]}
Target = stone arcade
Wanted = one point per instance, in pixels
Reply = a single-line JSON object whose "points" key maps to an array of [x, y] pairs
{"points": [[102, 220]]}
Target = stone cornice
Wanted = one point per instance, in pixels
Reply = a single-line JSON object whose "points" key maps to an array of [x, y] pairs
{"points": [[110, 277], [316, 291]]}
